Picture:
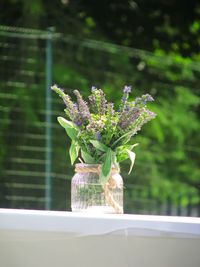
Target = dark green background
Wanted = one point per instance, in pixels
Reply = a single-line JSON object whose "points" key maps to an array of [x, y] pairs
{"points": [[151, 45]]}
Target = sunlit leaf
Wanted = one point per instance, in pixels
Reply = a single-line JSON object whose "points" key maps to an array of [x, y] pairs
{"points": [[69, 127], [131, 155], [73, 151], [121, 152]]}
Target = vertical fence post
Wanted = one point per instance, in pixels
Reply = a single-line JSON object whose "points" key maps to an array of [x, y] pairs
{"points": [[48, 134]]}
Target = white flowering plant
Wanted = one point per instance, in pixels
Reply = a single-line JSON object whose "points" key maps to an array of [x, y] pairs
{"points": [[99, 134]]}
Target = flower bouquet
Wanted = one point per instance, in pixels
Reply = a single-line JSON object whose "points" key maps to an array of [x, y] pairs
{"points": [[101, 138]]}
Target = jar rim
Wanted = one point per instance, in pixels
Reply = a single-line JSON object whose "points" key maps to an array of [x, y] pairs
{"points": [[87, 165], [96, 167]]}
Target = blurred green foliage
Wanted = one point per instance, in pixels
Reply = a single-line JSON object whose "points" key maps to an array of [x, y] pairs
{"points": [[169, 152]]}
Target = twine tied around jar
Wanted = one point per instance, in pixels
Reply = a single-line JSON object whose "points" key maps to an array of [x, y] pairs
{"points": [[111, 183]]}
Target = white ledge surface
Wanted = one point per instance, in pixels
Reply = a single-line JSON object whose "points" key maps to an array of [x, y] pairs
{"points": [[30, 238]]}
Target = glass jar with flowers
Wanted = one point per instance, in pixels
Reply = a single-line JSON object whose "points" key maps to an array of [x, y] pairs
{"points": [[101, 138]]}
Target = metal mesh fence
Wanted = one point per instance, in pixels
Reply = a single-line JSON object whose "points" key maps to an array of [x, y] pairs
{"points": [[33, 162], [22, 121]]}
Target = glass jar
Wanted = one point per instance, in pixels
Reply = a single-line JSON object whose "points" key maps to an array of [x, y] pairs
{"points": [[89, 195]]}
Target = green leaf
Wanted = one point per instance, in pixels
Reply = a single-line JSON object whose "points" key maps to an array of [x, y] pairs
{"points": [[99, 145], [134, 145], [106, 167], [73, 151], [115, 161], [128, 134], [65, 123], [87, 157], [131, 155], [122, 153], [69, 127], [130, 147]]}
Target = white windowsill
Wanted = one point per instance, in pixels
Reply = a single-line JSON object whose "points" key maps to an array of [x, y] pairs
{"points": [[30, 238]]}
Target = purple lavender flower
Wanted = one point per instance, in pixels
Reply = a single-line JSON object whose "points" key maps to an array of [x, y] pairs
{"points": [[127, 89], [128, 117], [92, 101], [82, 106], [95, 126], [143, 99], [145, 116], [103, 101], [151, 114], [78, 122], [98, 136], [72, 112], [98, 101], [148, 97], [71, 108]]}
